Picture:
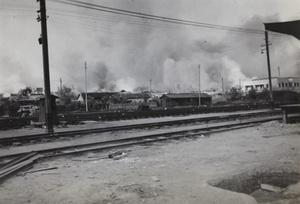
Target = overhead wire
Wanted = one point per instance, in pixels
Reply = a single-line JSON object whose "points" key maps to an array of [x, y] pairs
{"points": [[122, 33], [107, 18], [155, 17], [152, 20], [23, 7], [141, 37], [110, 18], [94, 16], [132, 14], [110, 32], [130, 20], [88, 16]]}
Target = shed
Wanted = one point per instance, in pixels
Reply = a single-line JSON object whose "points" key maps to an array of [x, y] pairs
{"points": [[100, 98], [185, 99], [32, 99]]}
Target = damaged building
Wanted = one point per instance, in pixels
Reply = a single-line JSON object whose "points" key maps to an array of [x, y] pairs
{"points": [[185, 99]]}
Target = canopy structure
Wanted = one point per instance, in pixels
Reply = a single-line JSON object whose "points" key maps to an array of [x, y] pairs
{"points": [[288, 27]]}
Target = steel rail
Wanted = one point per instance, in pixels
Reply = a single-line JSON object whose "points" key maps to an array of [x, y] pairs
{"points": [[26, 138], [168, 132], [144, 140], [26, 160], [12, 122]]}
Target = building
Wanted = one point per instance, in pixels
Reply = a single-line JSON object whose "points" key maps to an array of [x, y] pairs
{"points": [[100, 100], [134, 97], [278, 83], [184, 99], [32, 99], [97, 96]]}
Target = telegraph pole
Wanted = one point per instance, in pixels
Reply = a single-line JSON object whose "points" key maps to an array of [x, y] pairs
{"points": [[60, 83], [269, 70], [86, 100], [240, 88], [222, 86], [199, 87], [44, 41], [150, 85]]}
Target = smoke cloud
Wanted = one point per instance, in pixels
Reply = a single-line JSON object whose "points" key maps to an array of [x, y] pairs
{"points": [[123, 53]]}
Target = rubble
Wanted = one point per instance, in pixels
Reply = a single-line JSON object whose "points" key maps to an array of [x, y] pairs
{"points": [[271, 188], [155, 179]]}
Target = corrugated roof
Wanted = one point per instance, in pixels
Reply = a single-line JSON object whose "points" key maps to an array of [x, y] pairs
{"points": [[186, 95], [32, 97], [135, 95], [52, 94]]}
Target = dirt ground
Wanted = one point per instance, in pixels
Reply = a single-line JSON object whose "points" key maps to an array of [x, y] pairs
{"points": [[174, 172]]}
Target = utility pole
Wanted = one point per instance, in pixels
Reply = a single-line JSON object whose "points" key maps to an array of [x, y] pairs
{"points": [[269, 70], [60, 83], [150, 85], [222, 86], [279, 72], [86, 100], [199, 87], [44, 41], [240, 88]]}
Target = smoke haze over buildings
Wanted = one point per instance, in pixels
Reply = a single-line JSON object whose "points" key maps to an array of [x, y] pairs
{"points": [[123, 53]]}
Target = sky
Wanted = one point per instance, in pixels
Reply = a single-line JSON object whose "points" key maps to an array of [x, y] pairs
{"points": [[123, 53]]}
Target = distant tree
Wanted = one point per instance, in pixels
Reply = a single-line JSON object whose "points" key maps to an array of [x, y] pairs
{"points": [[116, 98], [2, 109], [10, 107], [234, 94], [24, 92], [265, 95], [252, 94], [146, 96], [66, 95]]}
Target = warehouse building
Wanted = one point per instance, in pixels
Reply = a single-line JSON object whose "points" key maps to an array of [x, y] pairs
{"points": [[185, 99], [278, 83]]}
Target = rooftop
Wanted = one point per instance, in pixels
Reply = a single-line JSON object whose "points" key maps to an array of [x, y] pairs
{"points": [[186, 95]]}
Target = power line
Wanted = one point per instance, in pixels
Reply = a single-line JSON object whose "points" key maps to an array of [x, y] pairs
{"points": [[135, 15], [98, 16], [133, 35], [155, 17], [117, 19]]}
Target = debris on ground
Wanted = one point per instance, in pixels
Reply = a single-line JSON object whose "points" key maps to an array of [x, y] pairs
{"points": [[117, 155], [124, 154], [89, 159], [155, 179], [43, 169], [271, 188], [37, 124], [113, 154]]}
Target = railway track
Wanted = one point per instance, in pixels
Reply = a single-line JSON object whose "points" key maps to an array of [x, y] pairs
{"points": [[17, 122], [13, 163], [5, 141]]}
